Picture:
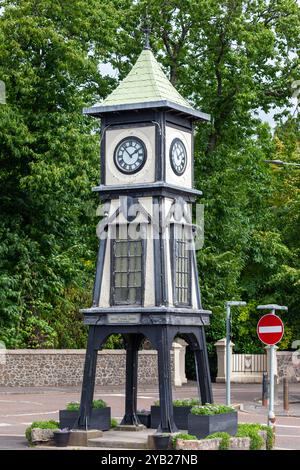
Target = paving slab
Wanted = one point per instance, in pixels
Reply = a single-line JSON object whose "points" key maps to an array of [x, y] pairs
{"points": [[122, 439]]}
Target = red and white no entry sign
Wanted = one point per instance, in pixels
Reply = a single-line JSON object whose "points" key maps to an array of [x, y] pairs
{"points": [[270, 329]]}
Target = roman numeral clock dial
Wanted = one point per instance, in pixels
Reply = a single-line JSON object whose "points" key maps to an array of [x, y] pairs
{"points": [[130, 155], [178, 157]]}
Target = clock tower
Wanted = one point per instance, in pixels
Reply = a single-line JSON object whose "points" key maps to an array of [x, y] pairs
{"points": [[146, 282]]}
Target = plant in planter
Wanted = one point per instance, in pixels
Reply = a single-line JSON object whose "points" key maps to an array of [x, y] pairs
{"points": [[162, 441], [181, 410], [209, 419], [50, 426], [100, 417], [61, 437]]}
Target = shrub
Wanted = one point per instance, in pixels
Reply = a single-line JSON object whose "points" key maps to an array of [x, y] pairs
{"points": [[97, 405], [42, 425], [225, 439], [113, 423], [73, 406], [186, 402], [210, 409], [270, 436], [251, 430], [187, 437]]}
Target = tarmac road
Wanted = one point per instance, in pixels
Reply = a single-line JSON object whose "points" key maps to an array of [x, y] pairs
{"points": [[19, 407]]}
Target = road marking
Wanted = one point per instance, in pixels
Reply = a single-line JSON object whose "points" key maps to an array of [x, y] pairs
{"points": [[286, 426], [287, 435], [121, 395], [12, 435], [31, 414], [111, 395], [282, 448], [4, 425], [21, 401]]}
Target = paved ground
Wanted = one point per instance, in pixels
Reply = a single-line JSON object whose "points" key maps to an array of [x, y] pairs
{"points": [[20, 406]]}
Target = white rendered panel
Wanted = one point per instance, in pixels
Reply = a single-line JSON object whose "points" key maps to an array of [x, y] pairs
{"points": [[147, 173], [184, 180]]}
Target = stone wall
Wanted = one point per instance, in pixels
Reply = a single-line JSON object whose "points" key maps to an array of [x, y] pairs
{"points": [[63, 367]]}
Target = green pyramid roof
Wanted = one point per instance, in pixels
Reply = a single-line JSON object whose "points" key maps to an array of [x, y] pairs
{"points": [[145, 86]]}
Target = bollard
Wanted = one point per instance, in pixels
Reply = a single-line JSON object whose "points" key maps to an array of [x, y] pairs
{"points": [[265, 389], [285, 394]]}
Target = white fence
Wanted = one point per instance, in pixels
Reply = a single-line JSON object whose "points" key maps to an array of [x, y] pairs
{"points": [[249, 363], [245, 368]]}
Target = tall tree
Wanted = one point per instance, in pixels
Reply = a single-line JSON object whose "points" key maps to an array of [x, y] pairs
{"points": [[49, 57]]}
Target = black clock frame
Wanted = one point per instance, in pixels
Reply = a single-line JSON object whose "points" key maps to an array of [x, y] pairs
{"points": [[132, 137], [171, 160]]}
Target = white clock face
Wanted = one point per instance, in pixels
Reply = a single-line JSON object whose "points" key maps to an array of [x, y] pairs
{"points": [[178, 156], [130, 155]]}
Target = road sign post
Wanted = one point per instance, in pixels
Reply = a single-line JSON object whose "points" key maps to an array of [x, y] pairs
{"points": [[270, 330], [228, 305]]}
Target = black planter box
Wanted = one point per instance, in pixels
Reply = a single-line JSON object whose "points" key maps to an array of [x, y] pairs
{"points": [[161, 442], [181, 414], [145, 418], [61, 439], [203, 425], [100, 419]]}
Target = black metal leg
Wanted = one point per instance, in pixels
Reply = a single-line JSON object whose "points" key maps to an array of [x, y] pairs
{"points": [[132, 347], [167, 423], [88, 384], [202, 369]]}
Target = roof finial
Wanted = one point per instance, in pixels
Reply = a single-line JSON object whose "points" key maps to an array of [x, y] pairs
{"points": [[147, 31]]}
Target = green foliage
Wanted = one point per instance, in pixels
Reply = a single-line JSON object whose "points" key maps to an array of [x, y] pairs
{"points": [[73, 406], [99, 404], [42, 425], [114, 423], [251, 430], [49, 160], [96, 405], [114, 342], [247, 430], [184, 402], [185, 436], [225, 439], [270, 436], [209, 409]]}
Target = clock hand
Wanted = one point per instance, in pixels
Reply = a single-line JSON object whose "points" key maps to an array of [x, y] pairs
{"points": [[127, 152], [134, 152]]}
